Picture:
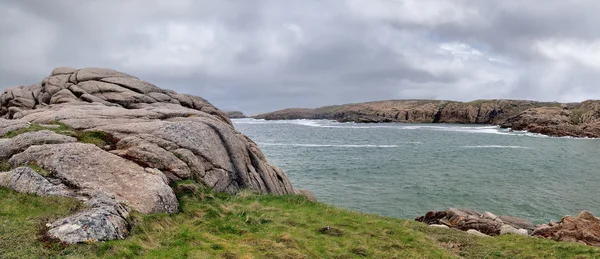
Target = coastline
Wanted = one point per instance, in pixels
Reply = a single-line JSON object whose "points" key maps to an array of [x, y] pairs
{"points": [[547, 118]]}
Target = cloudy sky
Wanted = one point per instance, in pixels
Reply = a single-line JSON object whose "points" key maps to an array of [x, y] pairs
{"points": [[262, 55]]}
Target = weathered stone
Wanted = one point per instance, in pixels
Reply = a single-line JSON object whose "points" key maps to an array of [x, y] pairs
{"points": [[584, 228], [25, 180], [9, 147], [489, 215], [517, 222], [486, 223], [193, 162], [105, 219], [12, 125], [507, 229], [522, 232], [151, 155], [63, 71], [476, 233], [133, 84], [63, 96], [87, 74], [88, 167], [438, 226]]}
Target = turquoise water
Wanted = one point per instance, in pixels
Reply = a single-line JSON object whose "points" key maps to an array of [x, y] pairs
{"points": [[405, 170]]}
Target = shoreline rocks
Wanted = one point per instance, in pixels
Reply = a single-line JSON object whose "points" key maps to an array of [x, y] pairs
{"points": [[117, 143], [584, 228], [548, 118]]}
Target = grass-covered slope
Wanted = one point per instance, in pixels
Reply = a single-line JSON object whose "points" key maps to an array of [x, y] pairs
{"points": [[260, 226]]}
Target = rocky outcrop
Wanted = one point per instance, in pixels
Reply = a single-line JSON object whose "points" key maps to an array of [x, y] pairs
{"points": [[485, 223], [554, 119], [584, 228], [235, 115], [118, 143]]}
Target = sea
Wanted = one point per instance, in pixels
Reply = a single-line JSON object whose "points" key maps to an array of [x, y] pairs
{"points": [[405, 170]]}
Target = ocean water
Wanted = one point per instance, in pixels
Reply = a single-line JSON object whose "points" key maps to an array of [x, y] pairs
{"points": [[404, 170]]}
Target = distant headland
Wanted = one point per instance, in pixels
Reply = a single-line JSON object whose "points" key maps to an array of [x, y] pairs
{"points": [[548, 118]]}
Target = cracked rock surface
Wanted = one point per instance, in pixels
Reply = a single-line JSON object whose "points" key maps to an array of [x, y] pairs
{"points": [[157, 137]]}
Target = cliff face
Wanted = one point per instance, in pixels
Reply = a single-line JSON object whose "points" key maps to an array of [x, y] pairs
{"points": [[550, 118], [118, 143]]}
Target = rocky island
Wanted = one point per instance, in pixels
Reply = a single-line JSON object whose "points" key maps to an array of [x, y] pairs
{"points": [[236, 115], [549, 118]]}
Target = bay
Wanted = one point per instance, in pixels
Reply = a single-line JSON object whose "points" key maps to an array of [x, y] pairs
{"points": [[404, 170]]}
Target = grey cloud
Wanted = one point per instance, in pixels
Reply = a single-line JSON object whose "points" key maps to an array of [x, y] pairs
{"points": [[262, 55]]}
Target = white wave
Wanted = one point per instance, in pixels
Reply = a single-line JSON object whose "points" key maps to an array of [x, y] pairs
{"points": [[469, 129], [495, 146], [401, 126], [329, 145], [248, 121]]}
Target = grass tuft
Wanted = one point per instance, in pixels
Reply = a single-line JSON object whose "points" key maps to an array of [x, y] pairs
{"points": [[57, 127], [96, 137]]}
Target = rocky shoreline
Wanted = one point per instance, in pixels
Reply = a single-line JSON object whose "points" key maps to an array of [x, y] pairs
{"points": [[548, 118], [583, 228]]}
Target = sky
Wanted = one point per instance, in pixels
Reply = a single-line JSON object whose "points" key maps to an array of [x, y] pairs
{"points": [[263, 55]]}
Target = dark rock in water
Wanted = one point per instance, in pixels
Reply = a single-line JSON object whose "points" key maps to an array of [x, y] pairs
{"points": [[147, 138], [236, 115], [584, 228]]}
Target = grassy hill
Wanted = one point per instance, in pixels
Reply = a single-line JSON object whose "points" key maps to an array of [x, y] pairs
{"points": [[260, 226]]}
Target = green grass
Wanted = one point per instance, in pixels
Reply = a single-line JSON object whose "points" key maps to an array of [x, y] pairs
{"points": [[38, 169], [263, 226], [5, 166], [56, 127], [22, 217], [96, 137], [577, 116]]}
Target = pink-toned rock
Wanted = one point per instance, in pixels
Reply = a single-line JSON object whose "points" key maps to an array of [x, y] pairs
{"points": [[584, 228]]}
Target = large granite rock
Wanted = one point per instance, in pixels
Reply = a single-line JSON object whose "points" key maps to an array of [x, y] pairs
{"points": [[584, 228], [156, 137]]}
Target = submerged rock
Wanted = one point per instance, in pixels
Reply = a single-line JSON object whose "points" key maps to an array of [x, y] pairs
{"points": [[147, 138]]}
